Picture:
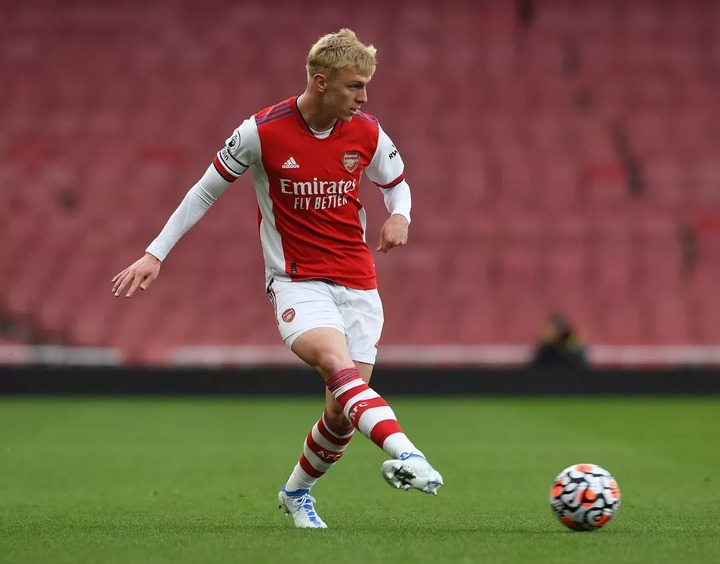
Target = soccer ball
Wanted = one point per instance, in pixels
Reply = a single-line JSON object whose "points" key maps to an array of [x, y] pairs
{"points": [[585, 497]]}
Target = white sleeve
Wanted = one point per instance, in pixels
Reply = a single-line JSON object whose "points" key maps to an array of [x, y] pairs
{"points": [[241, 151], [387, 171], [197, 201], [398, 199]]}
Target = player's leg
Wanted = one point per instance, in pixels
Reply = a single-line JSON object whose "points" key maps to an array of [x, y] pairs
{"points": [[332, 407], [311, 325], [363, 316], [301, 306], [323, 448], [326, 350], [326, 441]]}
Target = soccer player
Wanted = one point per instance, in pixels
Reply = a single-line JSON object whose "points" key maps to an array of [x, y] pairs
{"points": [[307, 154]]}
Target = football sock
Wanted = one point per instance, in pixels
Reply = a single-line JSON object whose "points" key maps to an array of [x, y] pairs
{"points": [[368, 412], [323, 447]]}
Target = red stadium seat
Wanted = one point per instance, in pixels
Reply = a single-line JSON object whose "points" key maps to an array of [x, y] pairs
{"points": [[510, 133]]}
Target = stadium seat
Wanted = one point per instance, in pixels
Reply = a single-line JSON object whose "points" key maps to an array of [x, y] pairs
{"points": [[510, 132]]}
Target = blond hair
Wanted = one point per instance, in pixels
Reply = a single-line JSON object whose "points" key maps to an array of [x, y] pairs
{"points": [[335, 51]]}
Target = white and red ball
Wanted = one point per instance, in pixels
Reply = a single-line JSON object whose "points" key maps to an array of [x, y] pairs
{"points": [[585, 497]]}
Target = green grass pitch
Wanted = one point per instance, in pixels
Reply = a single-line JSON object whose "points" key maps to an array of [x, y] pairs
{"points": [[195, 481]]}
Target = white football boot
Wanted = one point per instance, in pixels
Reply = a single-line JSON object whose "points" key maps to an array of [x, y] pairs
{"points": [[412, 471], [301, 506]]}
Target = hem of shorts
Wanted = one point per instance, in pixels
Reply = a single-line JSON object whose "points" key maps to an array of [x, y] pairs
{"points": [[290, 339], [364, 360]]}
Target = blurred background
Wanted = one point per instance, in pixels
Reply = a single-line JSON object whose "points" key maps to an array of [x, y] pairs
{"points": [[563, 156]]}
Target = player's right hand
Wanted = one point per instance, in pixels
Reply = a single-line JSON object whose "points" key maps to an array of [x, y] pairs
{"points": [[139, 274]]}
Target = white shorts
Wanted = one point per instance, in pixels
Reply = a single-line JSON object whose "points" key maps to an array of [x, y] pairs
{"points": [[305, 305]]}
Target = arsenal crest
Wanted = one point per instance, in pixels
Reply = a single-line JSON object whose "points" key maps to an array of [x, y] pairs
{"points": [[351, 160]]}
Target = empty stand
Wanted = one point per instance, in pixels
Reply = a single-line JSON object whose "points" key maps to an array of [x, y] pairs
{"points": [[519, 140]]}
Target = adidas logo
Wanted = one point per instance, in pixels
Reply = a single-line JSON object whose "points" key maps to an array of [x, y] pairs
{"points": [[290, 163]]}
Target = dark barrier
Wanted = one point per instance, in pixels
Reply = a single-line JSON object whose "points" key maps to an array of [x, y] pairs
{"points": [[294, 381]]}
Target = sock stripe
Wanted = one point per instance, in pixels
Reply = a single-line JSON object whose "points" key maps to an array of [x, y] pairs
{"points": [[383, 430], [341, 378], [350, 387], [359, 409], [309, 468], [321, 433], [340, 431], [374, 416], [354, 395], [321, 450], [323, 453], [368, 412]]}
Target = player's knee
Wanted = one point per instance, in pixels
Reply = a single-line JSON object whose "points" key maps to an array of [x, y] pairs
{"points": [[329, 362]]}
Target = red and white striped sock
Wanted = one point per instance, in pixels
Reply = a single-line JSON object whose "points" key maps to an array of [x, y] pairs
{"points": [[323, 447], [369, 412]]}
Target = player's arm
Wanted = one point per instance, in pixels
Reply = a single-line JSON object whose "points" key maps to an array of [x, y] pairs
{"points": [[226, 167], [197, 201], [387, 171], [394, 232]]}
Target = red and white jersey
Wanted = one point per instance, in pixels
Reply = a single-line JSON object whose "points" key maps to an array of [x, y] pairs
{"points": [[312, 223]]}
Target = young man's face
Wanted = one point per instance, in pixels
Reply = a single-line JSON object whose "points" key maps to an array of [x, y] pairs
{"points": [[345, 92]]}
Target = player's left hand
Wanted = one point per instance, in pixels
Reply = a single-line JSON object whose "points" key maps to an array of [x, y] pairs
{"points": [[394, 233]]}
